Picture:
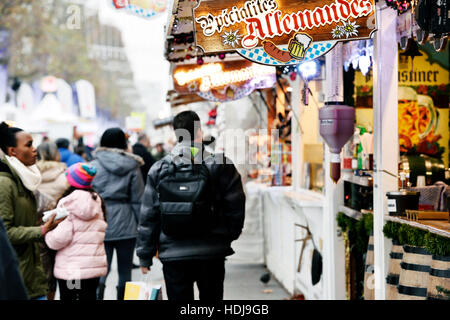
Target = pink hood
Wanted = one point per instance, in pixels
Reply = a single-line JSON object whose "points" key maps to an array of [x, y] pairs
{"points": [[79, 239]]}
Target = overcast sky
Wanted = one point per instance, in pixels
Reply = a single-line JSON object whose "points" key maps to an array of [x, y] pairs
{"points": [[144, 41]]}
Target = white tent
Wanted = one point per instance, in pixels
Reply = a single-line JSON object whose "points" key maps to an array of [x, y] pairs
{"points": [[51, 110], [9, 112], [50, 117]]}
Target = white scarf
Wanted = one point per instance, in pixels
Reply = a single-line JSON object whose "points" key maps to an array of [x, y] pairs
{"points": [[29, 175]]}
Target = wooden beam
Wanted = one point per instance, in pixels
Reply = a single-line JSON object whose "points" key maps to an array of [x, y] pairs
{"points": [[386, 145]]}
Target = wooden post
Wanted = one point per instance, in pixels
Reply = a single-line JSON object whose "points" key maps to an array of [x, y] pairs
{"points": [[386, 145], [296, 138]]}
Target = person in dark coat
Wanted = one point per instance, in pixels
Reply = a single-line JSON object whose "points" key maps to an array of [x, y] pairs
{"points": [[119, 182], [12, 287], [141, 148], [159, 152], [197, 258]]}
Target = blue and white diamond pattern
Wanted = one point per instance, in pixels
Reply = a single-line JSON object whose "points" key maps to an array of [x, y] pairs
{"points": [[140, 12], [316, 50], [239, 94]]}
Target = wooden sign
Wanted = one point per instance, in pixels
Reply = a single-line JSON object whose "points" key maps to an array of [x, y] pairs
{"points": [[285, 31], [223, 81]]}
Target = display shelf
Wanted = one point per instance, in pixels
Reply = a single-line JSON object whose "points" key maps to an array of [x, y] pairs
{"points": [[362, 181], [352, 213], [439, 227]]}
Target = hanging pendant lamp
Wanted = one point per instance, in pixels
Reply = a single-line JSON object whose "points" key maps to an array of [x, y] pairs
{"points": [[412, 50]]}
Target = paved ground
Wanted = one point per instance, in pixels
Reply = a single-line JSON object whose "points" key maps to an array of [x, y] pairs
{"points": [[241, 282]]}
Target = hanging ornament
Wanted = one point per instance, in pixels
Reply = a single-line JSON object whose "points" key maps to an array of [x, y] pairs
{"points": [[346, 66], [364, 64], [213, 114], [400, 5], [355, 62], [200, 61], [293, 76], [222, 56]]}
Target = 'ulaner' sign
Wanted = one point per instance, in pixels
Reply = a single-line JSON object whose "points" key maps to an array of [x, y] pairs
{"points": [[283, 30]]}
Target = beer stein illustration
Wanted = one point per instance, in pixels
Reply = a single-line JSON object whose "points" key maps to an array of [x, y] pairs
{"points": [[298, 45]]}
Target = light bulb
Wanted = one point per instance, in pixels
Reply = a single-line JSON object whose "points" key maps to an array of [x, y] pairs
{"points": [[308, 69]]}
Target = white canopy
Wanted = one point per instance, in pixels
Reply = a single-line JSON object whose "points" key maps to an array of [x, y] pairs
{"points": [[50, 109]]}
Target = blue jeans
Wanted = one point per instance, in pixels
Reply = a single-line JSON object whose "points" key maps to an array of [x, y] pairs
{"points": [[124, 251], [40, 298]]}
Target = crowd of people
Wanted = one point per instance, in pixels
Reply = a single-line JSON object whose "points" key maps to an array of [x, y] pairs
{"points": [[62, 215], [37, 180]]}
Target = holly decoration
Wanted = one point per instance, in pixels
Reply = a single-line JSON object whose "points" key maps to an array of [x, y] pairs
{"points": [[408, 235], [212, 116], [400, 5], [358, 230]]}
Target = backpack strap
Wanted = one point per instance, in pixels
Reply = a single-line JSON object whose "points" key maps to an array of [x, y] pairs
{"points": [[172, 162], [213, 178]]}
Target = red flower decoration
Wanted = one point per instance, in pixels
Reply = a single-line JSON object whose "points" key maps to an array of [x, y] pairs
{"points": [[422, 89]]}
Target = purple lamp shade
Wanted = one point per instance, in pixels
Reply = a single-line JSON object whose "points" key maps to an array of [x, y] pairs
{"points": [[337, 124]]}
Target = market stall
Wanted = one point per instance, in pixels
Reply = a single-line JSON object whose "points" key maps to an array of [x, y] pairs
{"points": [[322, 129], [408, 99]]}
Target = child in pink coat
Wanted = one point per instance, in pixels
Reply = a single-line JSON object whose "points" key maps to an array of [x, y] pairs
{"points": [[79, 240]]}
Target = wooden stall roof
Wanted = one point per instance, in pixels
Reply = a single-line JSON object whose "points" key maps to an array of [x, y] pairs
{"points": [[176, 99], [180, 44]]}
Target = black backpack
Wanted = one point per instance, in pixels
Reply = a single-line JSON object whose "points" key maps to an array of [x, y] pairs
{"points": [[186, 195]]}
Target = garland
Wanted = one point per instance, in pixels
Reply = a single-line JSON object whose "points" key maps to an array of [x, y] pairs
{"points": [[407, 235], [358, 230], [400, 5]]}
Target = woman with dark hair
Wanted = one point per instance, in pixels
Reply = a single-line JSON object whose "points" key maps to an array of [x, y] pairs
{"points": [[19, 178], [119, 182]]}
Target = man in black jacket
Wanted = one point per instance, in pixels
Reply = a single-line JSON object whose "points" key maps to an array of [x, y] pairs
{"points": [[141, 149], [196, 258]]}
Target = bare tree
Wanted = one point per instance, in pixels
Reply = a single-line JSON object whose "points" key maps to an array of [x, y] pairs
{"points": [[41, 43]]}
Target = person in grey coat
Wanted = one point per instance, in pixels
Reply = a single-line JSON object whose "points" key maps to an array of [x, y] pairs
{"points": [[119, 182], [198, 258]]}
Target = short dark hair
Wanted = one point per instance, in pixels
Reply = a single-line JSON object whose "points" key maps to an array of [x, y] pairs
{"points": [[8, 136], [79, 150], [62, 143], [184, 123], [114, 138]]}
